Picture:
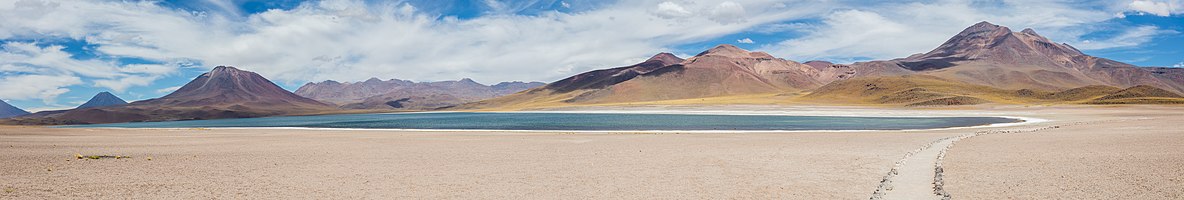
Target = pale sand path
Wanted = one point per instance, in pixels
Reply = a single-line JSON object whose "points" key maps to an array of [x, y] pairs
{"points": [[914, 178]]}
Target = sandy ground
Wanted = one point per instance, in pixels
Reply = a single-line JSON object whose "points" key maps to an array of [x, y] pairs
{"points": [[1110, 154], [1088, 161]]}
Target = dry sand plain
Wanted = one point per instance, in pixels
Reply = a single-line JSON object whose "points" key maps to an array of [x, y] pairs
{"points": [[1108, 152]]}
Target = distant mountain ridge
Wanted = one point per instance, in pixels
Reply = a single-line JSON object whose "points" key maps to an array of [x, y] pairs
{"points": [[224, 92], [984, 63], [7, 110], [103, 99], [724, 70], [401, 94]]}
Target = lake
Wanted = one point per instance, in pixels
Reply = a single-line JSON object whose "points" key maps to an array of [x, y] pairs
{"points": [[577, 122]]}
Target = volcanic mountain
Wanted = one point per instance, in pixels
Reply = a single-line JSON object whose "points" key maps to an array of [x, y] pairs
{"points": [[7, 110], [224, 92], [407, 95], [102, 99], [724, 70], [990, 63], [993, 55]]}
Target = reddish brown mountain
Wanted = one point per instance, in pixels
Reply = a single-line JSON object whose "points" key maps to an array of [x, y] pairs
{"points": [[224, 92], [993, 55], [407, 95], [721, 71]]}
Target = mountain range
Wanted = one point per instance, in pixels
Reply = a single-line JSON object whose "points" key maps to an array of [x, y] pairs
{"points": [[407, 95], [102, 99], [985, 63], [224, 92], [7, 110]]}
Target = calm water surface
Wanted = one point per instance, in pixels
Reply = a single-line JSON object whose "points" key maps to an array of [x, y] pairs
{"points": [[578, 121]]}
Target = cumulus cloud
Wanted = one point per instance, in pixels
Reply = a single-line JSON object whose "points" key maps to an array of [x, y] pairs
{"points": [[745, 41], [671, 10], [729, 12], [353, 40], [26, 62], [1157, 7], [1131, 37], [854, 33], [44, 87]]}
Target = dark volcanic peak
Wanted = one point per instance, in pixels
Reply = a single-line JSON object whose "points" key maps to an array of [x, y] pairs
{"points": [[225, 84], [980, 36], [7, 110], [103, 99], [993, 42]]}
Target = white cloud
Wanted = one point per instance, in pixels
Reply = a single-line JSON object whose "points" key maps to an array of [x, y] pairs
{"points": [[44, 87], [1179, 65], [745, 41], [121, 84], [1157, 7], [168, 89], [854, 33], [28, 60], [351, 40], [729, 12], [1128, 38], [671, 10]]}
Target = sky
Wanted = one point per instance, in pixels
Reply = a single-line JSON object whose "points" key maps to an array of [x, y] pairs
{"points": [[57, 54]]}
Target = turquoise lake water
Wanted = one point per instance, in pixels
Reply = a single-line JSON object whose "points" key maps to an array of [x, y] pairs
{"points": [[578, 121]]}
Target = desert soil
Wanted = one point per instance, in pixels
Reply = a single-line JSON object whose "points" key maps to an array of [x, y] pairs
{"points": [[1108, 152]]}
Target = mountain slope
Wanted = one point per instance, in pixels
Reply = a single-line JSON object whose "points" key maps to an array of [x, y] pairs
{"points": [[400, 94], [993, 55], [224, 92], [721, 71], [103, 99], [7, 110]]}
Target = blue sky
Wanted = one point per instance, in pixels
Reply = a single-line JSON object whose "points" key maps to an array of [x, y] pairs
{"points": [[57, 54]]}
